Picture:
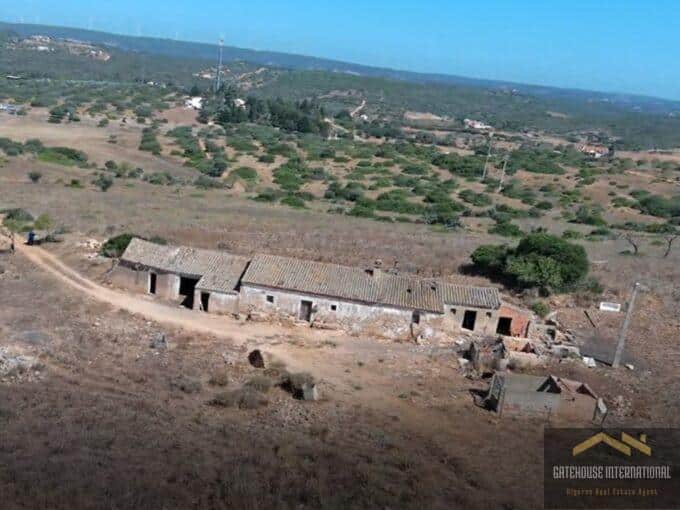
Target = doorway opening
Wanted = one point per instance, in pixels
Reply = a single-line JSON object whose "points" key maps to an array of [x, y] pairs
{"points": [[469, 320], [504, 326], [306, 311], [187, 286], [152, 283], [415, 317], [205, 301]]}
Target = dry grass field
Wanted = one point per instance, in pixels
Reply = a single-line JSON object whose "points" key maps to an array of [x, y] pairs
{"points": [[103, 420]]}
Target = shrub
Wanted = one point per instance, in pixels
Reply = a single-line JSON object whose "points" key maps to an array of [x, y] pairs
{"points": [[540, 308], [540, 260], [506, 229], [205, 182], [17, 214], [589, 216], [293, 201], [103, 182], [43, 222], [33, 145], [63, 156], [116, 246], [34, 176], [246, 173], [476, 199], [149, 142], [10, 147], [571, 234], [490, 258], [267, 195]]}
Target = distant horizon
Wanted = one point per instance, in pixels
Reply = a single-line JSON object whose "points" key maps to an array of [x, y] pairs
{"points": [[526, 43]]}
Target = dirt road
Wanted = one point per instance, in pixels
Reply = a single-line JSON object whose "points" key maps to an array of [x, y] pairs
{"points": [[177, 317]]}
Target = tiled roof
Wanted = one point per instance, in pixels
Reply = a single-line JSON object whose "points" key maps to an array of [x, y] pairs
{"points": [[410, 292], [218, 271], [464, 295], [356, 284], [312, 277]]}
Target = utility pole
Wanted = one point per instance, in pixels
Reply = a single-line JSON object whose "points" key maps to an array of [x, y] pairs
{"points": [[624, 330], [500, 184], [488, 156]]}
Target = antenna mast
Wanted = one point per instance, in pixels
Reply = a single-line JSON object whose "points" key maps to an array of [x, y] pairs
{"points": [[218, 77]]}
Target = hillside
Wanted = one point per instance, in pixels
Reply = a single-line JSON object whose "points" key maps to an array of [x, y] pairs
{"points": [[639, 122]]}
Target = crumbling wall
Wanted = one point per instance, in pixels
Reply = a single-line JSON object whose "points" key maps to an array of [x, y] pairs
{"points": [[129, 278], [520, 319], [219, 303], [137, 280], [485, 323], [536, 403], [334, 313]]}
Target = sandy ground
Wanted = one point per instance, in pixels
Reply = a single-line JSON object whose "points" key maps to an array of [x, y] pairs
{"points": [[108, 420]]}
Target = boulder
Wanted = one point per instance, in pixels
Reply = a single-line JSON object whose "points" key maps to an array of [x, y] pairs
{"points": [[158, 341]]}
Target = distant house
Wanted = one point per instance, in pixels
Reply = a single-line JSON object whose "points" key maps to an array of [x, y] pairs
{"points": [[543, 396], [9, 108], [352, 298], [477, 125], [594, 151], [195, 103]]}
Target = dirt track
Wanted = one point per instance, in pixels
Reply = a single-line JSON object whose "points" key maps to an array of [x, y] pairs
{"points": [[177, 317]]}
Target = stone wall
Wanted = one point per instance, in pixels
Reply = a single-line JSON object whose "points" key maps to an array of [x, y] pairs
{"points": [[354, 317], [219, 303], [138, 280], [520, 319], [485, 322], [130, 279]]}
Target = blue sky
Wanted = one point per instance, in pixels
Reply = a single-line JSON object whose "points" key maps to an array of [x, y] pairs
{"points": [[617, 45]]}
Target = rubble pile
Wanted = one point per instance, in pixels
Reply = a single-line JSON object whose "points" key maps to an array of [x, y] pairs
{"points": [[15, 365], [546, 342]]}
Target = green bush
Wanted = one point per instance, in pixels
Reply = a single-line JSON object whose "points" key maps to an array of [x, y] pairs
{"points": [[114, 247], [246, 173], [103, 182], [572, 234], [540, 260], [293, 201], [34, 176], [506, 229], [476, 199], [63, 156], [43, 222], [205, 182], [540, 308]]}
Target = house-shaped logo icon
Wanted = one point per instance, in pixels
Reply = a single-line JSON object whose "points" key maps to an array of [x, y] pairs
{"points": [[624, 446]]}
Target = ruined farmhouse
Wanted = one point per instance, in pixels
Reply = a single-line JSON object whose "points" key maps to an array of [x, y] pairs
{"points": [[369, 300]]}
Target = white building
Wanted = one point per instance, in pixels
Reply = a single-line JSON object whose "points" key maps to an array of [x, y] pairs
{"points": [[477, 124], [195, 103], [358, 300]]}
